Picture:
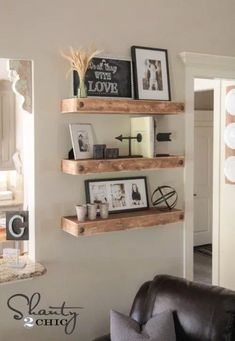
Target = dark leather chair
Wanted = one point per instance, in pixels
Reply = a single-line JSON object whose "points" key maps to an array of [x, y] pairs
{"points": [[201, 312]]}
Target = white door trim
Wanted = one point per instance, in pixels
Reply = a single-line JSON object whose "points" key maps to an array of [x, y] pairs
{"points": [[203, 125], [202, 66]]}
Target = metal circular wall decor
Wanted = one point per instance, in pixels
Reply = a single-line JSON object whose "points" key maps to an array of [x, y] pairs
{"points": [[229, 168], [229, 135], [230, 102], [164, 198]]}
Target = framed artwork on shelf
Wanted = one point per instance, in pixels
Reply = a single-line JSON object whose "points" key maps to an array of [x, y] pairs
{"points": [[151, 73], [145, 127], [82, 140], [107, 77], [122, 194]]}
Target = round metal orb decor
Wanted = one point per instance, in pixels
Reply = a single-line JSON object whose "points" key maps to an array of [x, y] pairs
{"points": [[164, 198]]}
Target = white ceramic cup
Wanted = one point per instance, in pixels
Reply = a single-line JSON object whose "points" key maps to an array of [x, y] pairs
{"points": [[81, 212], [104, 210], [92, 211]]}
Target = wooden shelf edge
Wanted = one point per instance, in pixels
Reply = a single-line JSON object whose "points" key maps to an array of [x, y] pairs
{"points": [[2, 234], [120, 106], [91, 166], [120, 222]]}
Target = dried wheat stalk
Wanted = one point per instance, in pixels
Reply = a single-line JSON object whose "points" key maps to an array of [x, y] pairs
{"points": [[80, 59]]}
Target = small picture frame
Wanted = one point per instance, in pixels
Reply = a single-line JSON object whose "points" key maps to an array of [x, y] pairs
{"points": [[82, 140], [99, 151], [122, 194], [151, 73], [112, 153]]}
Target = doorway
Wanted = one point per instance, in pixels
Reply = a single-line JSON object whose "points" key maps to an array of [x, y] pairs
{"points": [[16, 148], [221, 69], [203, 178]]}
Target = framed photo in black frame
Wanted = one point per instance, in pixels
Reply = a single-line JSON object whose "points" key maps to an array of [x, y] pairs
{"points": [[122, 194], [151, 73]]}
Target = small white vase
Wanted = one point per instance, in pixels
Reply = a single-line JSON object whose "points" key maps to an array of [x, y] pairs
{"points": [[81, 212], [92, 211], [104, 210]]}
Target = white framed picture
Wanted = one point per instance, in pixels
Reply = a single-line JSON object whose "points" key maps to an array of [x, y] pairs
{"points": [[82, 140]]}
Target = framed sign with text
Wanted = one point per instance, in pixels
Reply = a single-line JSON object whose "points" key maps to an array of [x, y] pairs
{"points": [[107, 77]]}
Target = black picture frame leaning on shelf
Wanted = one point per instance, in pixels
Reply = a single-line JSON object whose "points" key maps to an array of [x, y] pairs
{"points": [[122, 194], [151, 73]]}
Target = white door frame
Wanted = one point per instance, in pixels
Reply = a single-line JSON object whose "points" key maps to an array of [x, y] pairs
{"points": [[215, 67], [203, 120]]}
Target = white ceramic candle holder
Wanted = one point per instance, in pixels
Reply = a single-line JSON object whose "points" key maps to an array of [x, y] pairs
{"points": [[92, 211], [104, 210], [81, 212]]}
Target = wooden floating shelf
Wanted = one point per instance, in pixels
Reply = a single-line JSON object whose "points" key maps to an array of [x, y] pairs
{"points": [[120, 222], [90, 166], [120, 106]]}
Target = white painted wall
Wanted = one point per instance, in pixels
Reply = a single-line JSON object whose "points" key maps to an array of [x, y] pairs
{"points": [[101, 272], [4, 74]]}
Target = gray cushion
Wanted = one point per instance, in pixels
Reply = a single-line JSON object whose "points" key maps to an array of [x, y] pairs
{"points": [[159, 328]]}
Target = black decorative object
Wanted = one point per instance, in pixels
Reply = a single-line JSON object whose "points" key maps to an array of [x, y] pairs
{"points": [[138, 138], [162, 137], [162, 155], [99, 151], [164, 198], [112, 153], [107, 77], [71, 154]]}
